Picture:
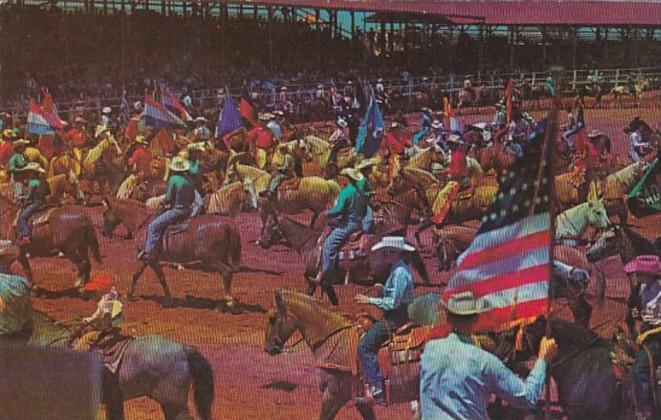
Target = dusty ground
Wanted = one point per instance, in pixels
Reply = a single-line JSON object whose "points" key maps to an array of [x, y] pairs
{"points": [[249, 383]]}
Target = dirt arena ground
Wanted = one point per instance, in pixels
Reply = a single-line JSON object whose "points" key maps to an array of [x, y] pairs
{"points": [[249, 383]]}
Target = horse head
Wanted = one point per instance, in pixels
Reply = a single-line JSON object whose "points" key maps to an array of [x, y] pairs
{"points": [[279, 328], [597, 215], [398, 184], [304, 150], [249, 187], [605, 246], [271, 235]]}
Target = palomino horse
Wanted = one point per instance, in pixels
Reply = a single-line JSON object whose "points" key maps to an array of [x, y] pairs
{"points": [[230, 200], [64, 184], [570, 225], [66, 229], [322, 150], [313, 193], [297, 149], [305, 241], [213, 241], [625, 90], [152, 366]]}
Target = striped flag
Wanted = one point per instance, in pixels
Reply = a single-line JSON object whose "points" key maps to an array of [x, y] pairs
{"points": [[50, 111], [157, 115], [508, 263], [452, 124], [172, 103], [37, 121]]}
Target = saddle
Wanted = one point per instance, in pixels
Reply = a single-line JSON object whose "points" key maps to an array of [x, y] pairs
{"points": [[40, 217], [290, 184], [110, 345], [355, 247], [177, 228]]}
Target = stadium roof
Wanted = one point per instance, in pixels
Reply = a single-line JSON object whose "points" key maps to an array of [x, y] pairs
{"points": [[501, 12]]}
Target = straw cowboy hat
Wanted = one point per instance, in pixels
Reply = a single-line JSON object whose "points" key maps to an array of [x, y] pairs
{"points": [[352, 173], [650, 264], [199, 146], [364, 164], [393, 242], [8, 133], [137, 105], [179, 164], [34, 166], [21, 142], [464, 304], [140, 139], [436, 124]]}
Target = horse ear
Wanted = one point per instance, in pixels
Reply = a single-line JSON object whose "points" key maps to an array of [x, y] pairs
{"points": [[280, 303]]}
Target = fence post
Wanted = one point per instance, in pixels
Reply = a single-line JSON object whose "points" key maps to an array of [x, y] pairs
{"points": [[534, 77], [617, 77], [573, 82]]}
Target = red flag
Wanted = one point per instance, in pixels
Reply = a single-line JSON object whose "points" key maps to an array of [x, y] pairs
{"points": [[248, 112], [508, 99]]}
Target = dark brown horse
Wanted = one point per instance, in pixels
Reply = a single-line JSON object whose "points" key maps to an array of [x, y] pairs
{"points": [[305, 240], [66, 229], [213, 241]]}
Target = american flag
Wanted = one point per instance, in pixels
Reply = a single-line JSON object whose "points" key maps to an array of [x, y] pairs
{"points": [[172, 103], [508, 263]]}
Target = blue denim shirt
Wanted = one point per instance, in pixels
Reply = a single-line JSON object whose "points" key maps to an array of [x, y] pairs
{"points": [[459, 387], [398, 289]]}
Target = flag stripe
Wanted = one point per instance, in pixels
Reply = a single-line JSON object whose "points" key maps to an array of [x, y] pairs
{"points": [[493, 254], [515, 262], [497, 317], [502, 282]]}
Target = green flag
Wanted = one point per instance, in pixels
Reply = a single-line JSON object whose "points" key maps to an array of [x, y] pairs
{"points": [[645, 197]]}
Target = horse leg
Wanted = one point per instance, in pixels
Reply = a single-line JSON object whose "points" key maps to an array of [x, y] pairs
{"points": [[134, 281], [161, 279], [315, 216], [25, 263], [330, 292], [226, 273], [112, 396], [332, 401], [366, 411], [312, 286]]}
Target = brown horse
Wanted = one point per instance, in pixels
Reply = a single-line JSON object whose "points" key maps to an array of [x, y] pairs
{"points": [[305, 241], [66, 229], [214, 241], [495, 157]]}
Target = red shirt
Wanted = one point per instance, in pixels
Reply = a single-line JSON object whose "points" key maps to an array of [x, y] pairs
{"points": [[587, 154], [76, 137], [396, 144], [131, 129], [458, 164], [262, 136], [6, 150], [141, 158]]}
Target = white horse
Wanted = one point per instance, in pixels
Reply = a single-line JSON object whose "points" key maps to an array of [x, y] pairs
{"points": [[572, 223]]}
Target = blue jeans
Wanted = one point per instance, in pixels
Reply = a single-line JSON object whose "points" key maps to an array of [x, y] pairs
{"points": [[24, 227], [368, 220], [157, 227], [642, 384], [198, 204], [333, 244], [369, 345]]}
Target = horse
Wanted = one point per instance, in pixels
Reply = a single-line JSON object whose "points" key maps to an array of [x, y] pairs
{"points": [[305, 241], [67, 230], [653, 137], [152, 366], [230, 200], [212, 240], [297, 149], [322, 150], [572, 223], [496, 157], [635, 91], [582, 370], [312, 193], [623, 241], [534, 93], [62, 184], [594, 90]]}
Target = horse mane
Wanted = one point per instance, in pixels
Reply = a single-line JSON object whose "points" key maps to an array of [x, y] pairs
{"points": [[566, 333], [317, 308]]}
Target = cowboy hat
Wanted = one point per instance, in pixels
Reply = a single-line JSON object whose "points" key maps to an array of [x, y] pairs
{"points": [[8, 251], [106, 110], [179, 164], [199, 146], [364, 165], [352, 173], [464, 304], [137, 105], [379, 80], [140, 139], [342, 122], [100, 283], [436, 124], [21, 142], [394, 124], [200, 119], [425, 109], [649, 264], [320, 86], [393, 242], [34, 166], [283, 88], [454, 138], [8, 133], [264, 117], [278, 113]]}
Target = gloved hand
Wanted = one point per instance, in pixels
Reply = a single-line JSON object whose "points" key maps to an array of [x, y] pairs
{"points": [[548, 349]]}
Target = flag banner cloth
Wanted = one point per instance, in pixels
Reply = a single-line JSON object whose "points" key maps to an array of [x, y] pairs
{"points": [[508, 99], [51, 113], [370, 131], [248, 112], [229, 119], [508, 263], [38, 121], [644, 199], [157, 115], [452, 124], [173, 105]]}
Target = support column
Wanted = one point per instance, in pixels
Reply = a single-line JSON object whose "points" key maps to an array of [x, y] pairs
{"points": [[269, 30], [512, 40], [574, 42], [318, 23], [480, 56], [604, 59]]}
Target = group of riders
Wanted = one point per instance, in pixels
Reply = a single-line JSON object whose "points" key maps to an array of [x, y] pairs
{"points": [[351, 212]]}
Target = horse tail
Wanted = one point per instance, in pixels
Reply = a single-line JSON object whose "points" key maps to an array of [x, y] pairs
{"points": [[419, 265], [92, 241], [203, 384]]}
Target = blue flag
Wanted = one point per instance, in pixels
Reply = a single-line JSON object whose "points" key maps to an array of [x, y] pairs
{"points": [[370, 132], [229, 119]]}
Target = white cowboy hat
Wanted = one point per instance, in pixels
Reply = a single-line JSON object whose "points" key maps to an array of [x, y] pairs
{"points": [[352, 173], [137, 105], [393, 242], [394, 124], [200, 119], [464, 303], [254, 95], [34, 166], [20, 142], [425, 109], [320, 86], [106, 110], [278, 113], [9, 250], [199, 146], [379, 80], [364, 164], [140, 139], [436, 124], [342, 122], [179, 164], [264, 117], [454, 138], [283, 88]]}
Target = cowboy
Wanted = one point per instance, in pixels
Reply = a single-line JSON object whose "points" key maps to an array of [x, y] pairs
{"points": [[460, 388], [437, 139], [319, 92], [6, 147], [397, 147], [425, 125], [458, 178], [262, 140], [274, 125], [35, 200], [140, 157], [365, 169], [500, 119], [105, 323], [396, 295], [179, 198], [638, 146], [194, 153], [550, 85], [518, 132], [350, 210], [339, 139], [105, 116], [16, 163], [77, 136], [644, 272], [201, 132], [285, 171]]}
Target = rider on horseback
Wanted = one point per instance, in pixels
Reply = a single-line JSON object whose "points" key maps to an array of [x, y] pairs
{"points": [[339, 139], [179, 196], [426, 122], [16, 163], [194, 155], [285, 171], [35, 200], [458, 178], [396, 295], [645, 305], [350, 210], [638, 146]]}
